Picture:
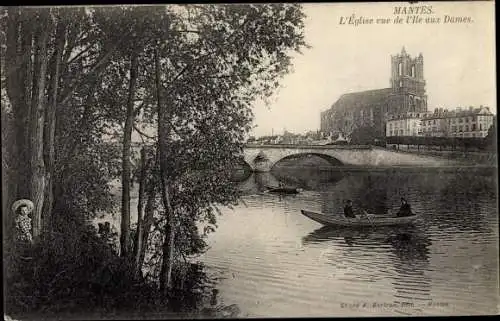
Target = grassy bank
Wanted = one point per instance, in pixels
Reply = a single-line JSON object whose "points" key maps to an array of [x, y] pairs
{"points": [[487, 158]]}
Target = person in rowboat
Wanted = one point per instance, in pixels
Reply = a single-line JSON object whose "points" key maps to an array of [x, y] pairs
{"points": [[348, 212], [405, 209]]}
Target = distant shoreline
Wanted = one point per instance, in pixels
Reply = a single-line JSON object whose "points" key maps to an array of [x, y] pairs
{"points": [[470, 158], [349, 168]]}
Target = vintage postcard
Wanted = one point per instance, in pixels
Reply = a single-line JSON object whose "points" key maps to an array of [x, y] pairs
{"points": [[249, 160]]}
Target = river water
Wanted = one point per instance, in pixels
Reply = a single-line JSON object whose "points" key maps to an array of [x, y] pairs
{"points": [[271, 261]]}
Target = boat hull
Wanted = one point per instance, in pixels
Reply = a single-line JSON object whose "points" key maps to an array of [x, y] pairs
{"points": [[332, 220], [283, 190]]}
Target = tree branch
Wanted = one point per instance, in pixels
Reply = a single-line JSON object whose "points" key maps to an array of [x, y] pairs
{"points": [[144, 134], [99, 65], [80, 53]]}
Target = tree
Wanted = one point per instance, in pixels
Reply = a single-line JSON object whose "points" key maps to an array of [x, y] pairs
{"points": [[50, 114], [26, 80], [233, 54], [364, 135], [490, 141], [54, 56]]}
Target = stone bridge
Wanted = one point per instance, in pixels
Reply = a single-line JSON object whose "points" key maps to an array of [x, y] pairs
{"points": [[262, 158]]}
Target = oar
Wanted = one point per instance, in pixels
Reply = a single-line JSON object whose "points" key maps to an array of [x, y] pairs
{"points": [[367, 217]]}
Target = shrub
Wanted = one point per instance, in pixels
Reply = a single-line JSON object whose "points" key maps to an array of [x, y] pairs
{"points": [[74, 271]]}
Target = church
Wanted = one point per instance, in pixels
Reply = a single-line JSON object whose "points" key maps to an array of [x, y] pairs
{"points": [[369, 110]]}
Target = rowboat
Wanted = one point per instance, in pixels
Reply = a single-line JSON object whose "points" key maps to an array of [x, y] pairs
{"points": [[361, 221], [283, 190]]}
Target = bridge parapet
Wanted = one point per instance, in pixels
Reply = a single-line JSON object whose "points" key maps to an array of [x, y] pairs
{"points": [[293, 146]]}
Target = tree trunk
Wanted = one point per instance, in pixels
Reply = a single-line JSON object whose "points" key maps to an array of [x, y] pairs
{"points": [[15, 94], [148, 213], [168, 257], [147, 222], [8, 177], [50, 124], [163, 134], [126, 165], [18, 79], [37, 115], [138, 242]]}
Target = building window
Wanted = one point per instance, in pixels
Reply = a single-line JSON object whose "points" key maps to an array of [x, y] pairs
{"points": [[467, 119], [400, 70], [480, 126], [460, 120], [473, 127], [466, 128], [434, 122], [461, 128], [413, 70], [453, 128]]}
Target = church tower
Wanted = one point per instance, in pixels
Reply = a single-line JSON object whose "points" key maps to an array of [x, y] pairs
{"points": [[407, 83]]}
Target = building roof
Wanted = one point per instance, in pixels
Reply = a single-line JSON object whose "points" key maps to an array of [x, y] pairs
{"points": [[364, 98], [409, 115], [482, 110]]}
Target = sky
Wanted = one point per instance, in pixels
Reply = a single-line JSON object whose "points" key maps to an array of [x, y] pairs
{"points": [[459, 60]]}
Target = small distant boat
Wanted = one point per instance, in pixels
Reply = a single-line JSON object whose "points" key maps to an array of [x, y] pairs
{"points": [[283, 190], [360, 221]]}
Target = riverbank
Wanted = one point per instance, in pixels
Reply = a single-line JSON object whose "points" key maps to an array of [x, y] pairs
{"points": [[74, 268], [479, 158]]}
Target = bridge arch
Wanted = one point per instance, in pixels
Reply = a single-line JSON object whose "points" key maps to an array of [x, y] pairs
{"points": [[330, 159]]}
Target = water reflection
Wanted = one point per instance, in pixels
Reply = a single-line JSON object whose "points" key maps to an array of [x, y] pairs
{"points": [[380, 234], [411, 283], [406, 250], [307, 178]]}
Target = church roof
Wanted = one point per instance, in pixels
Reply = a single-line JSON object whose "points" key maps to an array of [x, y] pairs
{"points": [[364, 98]]}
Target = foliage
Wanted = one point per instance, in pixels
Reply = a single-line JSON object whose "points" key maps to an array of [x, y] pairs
{"points": [[461, 142], [224, 58], [490, 141], [365, 135], [74, 268]]}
